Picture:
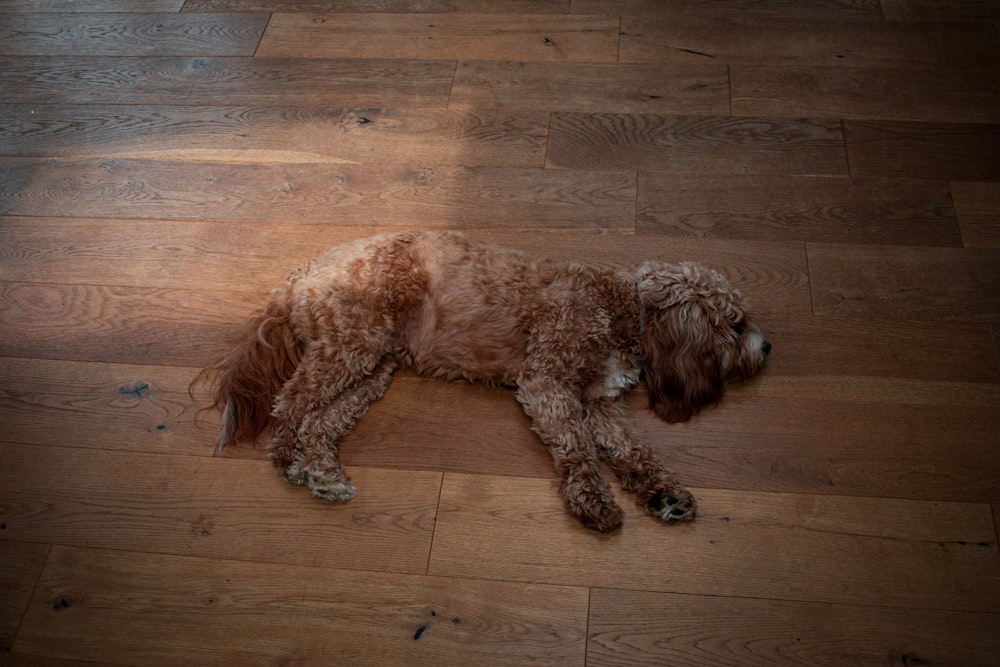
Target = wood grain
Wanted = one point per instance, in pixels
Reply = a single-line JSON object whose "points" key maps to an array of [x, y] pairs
{"points": [[226, 81], [382, 6], [958, 152], [94, 604], [453, 36], [786, 208], [163, 253], [269, 134], [592, 87], [774, 10], [211, 507], [414, 427], [810, 346], [120, 324], [895, 391], [978, 209], [929, 10], [837, 160], [250, 257], [45, 6], [737, 41], [414, 196], [895, 553], [105, 406], [944, 96], [642, 628], [109, 34], [695, 144], [871, 449], [457, 427], [906, 283], [20, 565]]}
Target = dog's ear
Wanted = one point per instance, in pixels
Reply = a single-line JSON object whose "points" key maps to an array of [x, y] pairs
{"points": [[680, 361]]}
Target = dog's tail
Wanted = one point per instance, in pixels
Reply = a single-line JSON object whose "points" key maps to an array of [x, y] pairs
{"points": [[248, 378]]}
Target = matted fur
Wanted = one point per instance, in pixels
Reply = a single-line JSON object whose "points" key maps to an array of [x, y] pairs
{"points": [[571, 338]]}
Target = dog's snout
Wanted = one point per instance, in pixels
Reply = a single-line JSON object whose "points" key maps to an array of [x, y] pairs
{"points": [[766, 347]]}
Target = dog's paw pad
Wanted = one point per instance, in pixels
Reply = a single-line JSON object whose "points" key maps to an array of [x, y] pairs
{"points": [[672, 507]]}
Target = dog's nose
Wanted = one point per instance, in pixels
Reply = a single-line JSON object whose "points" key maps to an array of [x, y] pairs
{"points": [[767, 348]]}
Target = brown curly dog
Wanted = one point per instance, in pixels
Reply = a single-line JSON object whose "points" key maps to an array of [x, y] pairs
{"points": [[572, 338]]}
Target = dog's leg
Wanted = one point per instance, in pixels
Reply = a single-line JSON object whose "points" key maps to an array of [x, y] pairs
{"points": [[304, 442], [655, 488], [557, 418]]}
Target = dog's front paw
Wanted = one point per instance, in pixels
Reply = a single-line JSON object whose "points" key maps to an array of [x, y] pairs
{"points": [[674, 504]]}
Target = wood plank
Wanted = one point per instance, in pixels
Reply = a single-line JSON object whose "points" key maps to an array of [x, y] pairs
{"points": [[927, 451], [95, 604], [738, 41], [693, 144], [410, 196], [870, 551], [774, 10], [105, 406], [969, 11], [906, 283], [783, 431], [20, 565], [786, 208], [809, 346], [442, 427], [120, 324], [273, 134], [643, 628], [764, 436], [592, 87], [978, 209], [92, 6], [447, 426], [251, 257], [24, 660], [131, 34], [227, 81], [453, 36], [382, 6], [888, 149], [215, 508], [865, 389], [995, 330], [945, 96], [163, 253]]}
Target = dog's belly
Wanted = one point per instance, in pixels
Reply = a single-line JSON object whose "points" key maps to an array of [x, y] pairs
{"points": [[474, 342]]}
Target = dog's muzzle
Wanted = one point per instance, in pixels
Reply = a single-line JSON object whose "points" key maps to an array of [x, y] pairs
{"points": [[766, 347]]}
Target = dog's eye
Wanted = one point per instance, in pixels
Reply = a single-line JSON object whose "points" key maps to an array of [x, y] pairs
{"points": [[740, 327]]}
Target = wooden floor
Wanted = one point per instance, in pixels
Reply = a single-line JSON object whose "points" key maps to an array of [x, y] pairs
{"points": [[164, 163]]}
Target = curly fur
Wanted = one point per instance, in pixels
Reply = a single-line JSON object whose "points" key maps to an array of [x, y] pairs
{"points": [[571, 338]]}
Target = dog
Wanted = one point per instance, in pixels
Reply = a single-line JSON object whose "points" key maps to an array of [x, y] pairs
{"points": [[569, 337]]}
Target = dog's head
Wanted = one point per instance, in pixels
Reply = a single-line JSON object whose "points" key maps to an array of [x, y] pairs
{"points": [[695, 337]]}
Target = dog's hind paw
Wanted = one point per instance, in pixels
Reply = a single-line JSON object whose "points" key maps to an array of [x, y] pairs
{"points": [[327, 485], [333, 490], [675, 505], [604, 518]]}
